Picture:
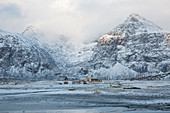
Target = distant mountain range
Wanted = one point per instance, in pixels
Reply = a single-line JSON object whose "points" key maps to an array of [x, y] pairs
{"points": [[134, 48]]}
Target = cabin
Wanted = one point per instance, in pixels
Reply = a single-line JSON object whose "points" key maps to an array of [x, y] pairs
{"points": [[82, 82], [65, 82], [88, 79], [96, 80]]}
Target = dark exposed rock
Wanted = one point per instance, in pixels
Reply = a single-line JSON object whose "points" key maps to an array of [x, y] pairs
{"points": [[137, 44], [23, 58]]}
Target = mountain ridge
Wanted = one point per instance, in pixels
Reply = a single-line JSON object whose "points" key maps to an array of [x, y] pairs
{"points": [[137, 43], [137, 46]]}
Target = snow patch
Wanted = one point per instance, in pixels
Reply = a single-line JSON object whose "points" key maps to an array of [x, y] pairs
{"points": [[117, 72]]}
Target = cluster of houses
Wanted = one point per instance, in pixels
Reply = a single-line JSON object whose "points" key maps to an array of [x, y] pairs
{"points": [[87, 80]]}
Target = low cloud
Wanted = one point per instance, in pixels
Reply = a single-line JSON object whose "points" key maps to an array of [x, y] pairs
{"points": [[79, 19]]}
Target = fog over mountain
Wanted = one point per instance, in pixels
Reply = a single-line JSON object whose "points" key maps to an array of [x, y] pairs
{"points": [[80, 20], [84, 56], [134, 48]]}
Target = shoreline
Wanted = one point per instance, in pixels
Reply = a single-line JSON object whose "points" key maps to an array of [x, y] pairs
{"points": [[51, 98]]}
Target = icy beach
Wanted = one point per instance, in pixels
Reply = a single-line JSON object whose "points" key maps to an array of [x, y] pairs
{"points": [[107, 96]]}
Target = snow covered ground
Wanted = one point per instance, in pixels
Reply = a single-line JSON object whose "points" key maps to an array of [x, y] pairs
{"points": [[108, 96]]}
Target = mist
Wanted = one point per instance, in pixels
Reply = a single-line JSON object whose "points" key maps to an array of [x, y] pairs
{"points": [[80, 20]]}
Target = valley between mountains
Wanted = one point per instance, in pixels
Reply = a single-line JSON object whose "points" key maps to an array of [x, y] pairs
{"points": [[136, 48]]}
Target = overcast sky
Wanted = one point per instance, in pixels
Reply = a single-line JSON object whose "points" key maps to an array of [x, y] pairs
{"points": [[79, 19]]}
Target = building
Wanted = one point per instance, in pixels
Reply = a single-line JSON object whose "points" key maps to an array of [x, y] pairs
{"points": [[88, 79], [93, 79], [96, 80]]}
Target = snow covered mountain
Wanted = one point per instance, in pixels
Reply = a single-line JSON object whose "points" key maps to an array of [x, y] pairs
{"points": [[135, 47], [24, 56], [137, 44]]}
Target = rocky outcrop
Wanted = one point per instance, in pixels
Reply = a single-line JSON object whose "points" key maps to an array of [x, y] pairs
{"points": [[137, 44], [22, 57], [134, 48]]}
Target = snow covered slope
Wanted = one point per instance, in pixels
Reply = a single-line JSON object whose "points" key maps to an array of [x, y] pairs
{"points": [[23, 57], [118, 71], [137, 44], [135, 47]]}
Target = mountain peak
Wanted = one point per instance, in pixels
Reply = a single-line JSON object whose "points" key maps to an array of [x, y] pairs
{"points": [[135, 17], [135, 24], [33, 33], [30, 28]]}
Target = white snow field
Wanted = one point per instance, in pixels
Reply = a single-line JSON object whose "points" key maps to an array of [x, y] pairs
{"points": [[107, 96]]}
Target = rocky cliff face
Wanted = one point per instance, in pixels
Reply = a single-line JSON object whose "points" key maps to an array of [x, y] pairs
{"points": [[24, 57], [137, 44], [135, 47]]}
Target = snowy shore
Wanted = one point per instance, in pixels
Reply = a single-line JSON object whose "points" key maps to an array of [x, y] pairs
{"points": [[119, 96]]}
